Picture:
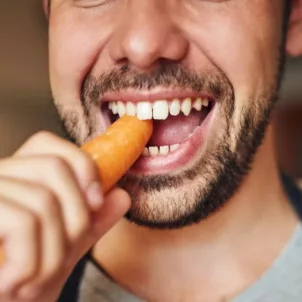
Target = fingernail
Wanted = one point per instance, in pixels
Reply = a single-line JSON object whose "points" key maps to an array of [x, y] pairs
{"points": [[94, 195]]}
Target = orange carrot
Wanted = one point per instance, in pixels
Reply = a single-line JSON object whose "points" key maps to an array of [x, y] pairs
{"points": [[115, 151], [118, 148]]}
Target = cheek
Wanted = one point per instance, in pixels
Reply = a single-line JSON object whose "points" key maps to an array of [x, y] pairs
{"points": [[243, 42], [75, 45]]}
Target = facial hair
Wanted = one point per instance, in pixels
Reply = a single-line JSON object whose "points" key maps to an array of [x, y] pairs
{"points": [[221, 169]]}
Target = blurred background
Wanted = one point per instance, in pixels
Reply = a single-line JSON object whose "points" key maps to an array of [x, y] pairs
{"points": [[25, 98]]}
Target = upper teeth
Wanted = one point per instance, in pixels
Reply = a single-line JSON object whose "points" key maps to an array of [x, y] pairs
{"points": [[159, 110]]}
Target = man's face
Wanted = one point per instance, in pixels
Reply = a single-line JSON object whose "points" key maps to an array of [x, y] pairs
{"points": [[214, 65]]}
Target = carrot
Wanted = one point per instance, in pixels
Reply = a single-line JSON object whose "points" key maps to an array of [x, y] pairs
{"points": [[115, 151], [118, 148]]}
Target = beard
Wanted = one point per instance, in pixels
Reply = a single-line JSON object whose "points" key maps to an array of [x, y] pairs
{"points": [[183, 198], [158, 202]]}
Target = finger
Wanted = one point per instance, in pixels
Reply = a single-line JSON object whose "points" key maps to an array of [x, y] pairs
{"points": [[43, 203], [54, 174], [117, 202], [45, 143], [20, 234]]}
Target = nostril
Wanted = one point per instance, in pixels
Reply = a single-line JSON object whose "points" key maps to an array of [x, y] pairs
{"points": [[123, 64]]}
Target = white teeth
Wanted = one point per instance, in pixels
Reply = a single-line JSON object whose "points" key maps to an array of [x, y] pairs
{"points": [[159, 151], [197, 104], [186, 106], [174, 147], [130, 109], [121, 109], [205, 102], [114, 107], [175, 107], [144, 110], [163, 150], [160, 110], [154, 151]]}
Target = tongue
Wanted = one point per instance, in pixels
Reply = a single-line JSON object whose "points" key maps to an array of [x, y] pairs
{"points": [[175, 129]]}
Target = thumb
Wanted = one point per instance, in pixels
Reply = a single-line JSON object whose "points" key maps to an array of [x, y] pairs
{"points": [[116, 204]]}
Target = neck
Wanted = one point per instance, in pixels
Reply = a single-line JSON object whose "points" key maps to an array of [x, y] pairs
{"points": [[231, 248]]}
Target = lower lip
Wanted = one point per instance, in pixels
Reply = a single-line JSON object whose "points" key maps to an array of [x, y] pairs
{"points": [[181, 157]]}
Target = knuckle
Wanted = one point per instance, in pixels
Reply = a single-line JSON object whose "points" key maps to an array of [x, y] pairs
{"points": [[47, 202], [36, 140], [27, 221], [56, 164], [42, 136]]}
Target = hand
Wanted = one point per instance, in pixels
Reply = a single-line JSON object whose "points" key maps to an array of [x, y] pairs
{"points": [[52, 211]]}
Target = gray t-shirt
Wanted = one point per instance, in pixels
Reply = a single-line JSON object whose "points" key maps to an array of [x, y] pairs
{"points": [[282, 282]]}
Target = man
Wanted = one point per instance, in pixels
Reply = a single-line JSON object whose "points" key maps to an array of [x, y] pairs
{"points": [[206, 217]]}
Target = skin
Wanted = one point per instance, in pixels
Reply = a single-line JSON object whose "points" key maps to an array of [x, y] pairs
{"points": [[202, 31], [212, 35]]}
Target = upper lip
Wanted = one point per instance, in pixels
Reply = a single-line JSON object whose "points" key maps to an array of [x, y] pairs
{"points": [[152, 96]]}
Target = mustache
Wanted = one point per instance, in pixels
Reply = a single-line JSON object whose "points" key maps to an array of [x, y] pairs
{"points": [[165, 75]]}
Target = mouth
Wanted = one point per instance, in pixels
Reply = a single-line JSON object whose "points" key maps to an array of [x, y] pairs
{"points": [[180, 128]]}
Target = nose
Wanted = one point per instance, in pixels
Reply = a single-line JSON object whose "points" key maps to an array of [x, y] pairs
{"points": [[146, 35]]}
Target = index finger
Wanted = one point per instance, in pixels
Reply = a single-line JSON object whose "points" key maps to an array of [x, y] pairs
{"points": [[45, 143]]}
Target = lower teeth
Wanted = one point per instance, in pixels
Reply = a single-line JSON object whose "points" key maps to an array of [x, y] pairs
{"points": [[164, 150]]}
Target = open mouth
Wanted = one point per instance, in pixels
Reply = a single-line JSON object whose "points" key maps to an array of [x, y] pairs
{"points": [[179, 130]]}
